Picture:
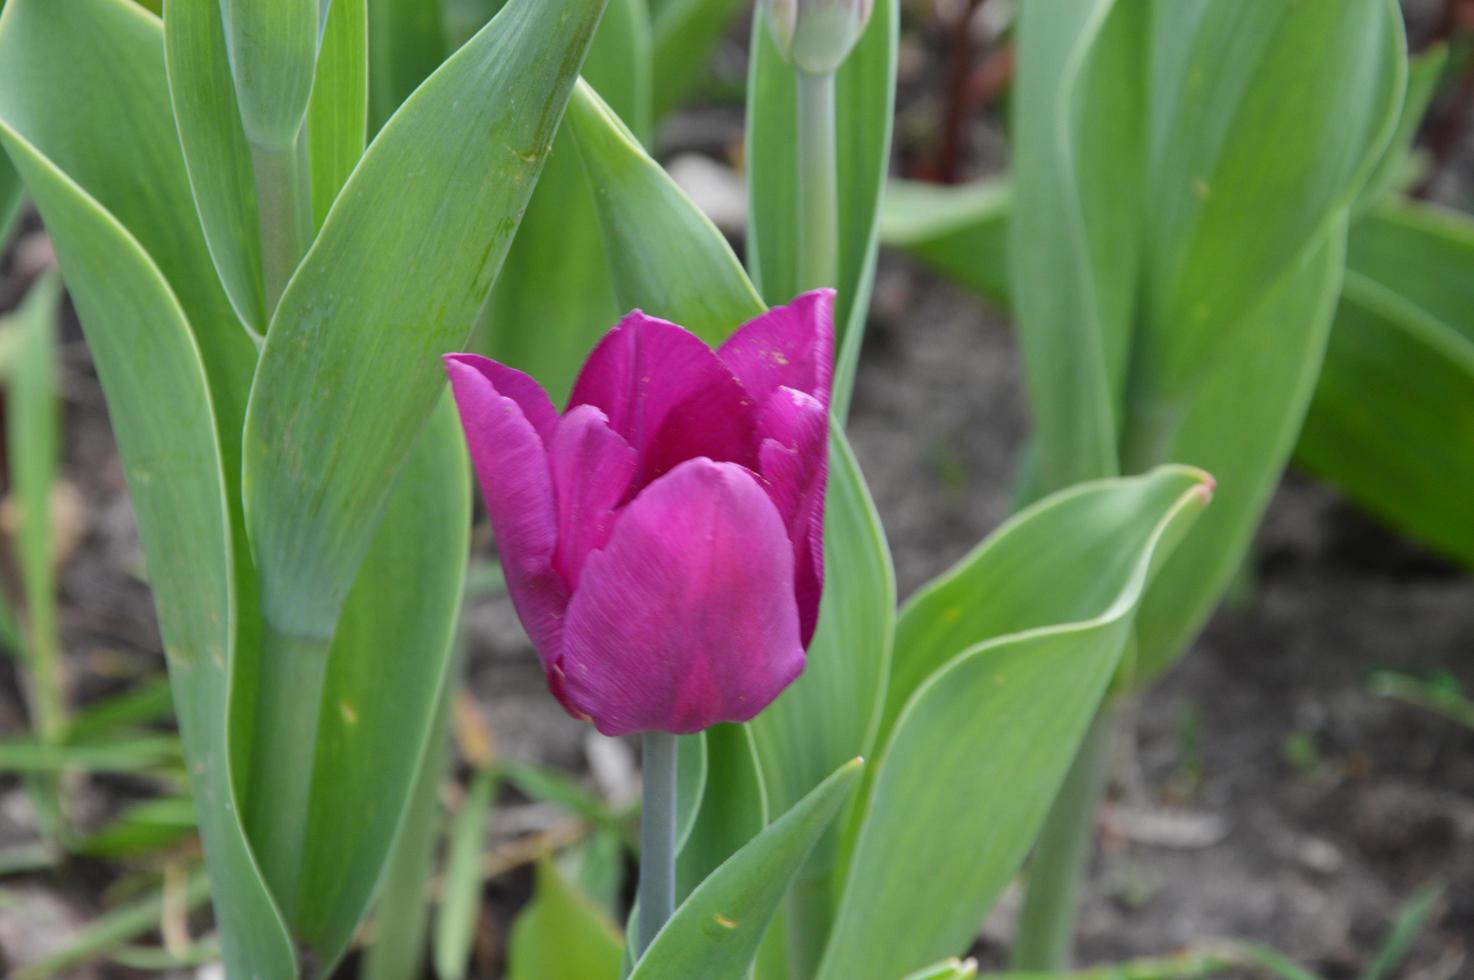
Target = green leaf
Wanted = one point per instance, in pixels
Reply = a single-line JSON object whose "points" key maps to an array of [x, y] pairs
{"points": [[389, 663], [1244, 442], [33, 422], [405, 45], [401, 918], [666, 257], [272, 47], [1280, 110], [382, 292], [715, 932], [114, 929], [1021, 639], [116, 755], [146, 703], [1392, 419], [217, 153], [1074, 238], [562, 934], [686, 32], [832, 712], [865, 91], [959, 232], [455, 926], [618, 65], [337, 115], [691, 783], [107, 56], [547, 332], [143, 828], [734, 807], [1424, 72], [1411, 919]]}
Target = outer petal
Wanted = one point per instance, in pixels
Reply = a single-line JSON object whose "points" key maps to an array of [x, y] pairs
{"points": [[536, 406], [791, 346], [686, 618], [517, 484], [668, 395], [592, 469], [795, 464]]}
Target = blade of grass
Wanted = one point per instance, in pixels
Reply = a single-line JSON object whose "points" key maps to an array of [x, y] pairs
{"points": [[113, 930], [456, 927], [1409, 924]]}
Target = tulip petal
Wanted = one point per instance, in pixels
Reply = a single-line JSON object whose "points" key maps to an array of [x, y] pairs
{"points": [[790, 346], [592, 469], [668, 395], [795, 465], [517, 484], [687, 617], [536, 406]]}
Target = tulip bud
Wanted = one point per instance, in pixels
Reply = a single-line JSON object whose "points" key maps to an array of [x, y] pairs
{"points": [[815, 36]]}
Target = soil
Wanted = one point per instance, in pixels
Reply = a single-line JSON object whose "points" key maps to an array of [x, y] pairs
{"points": [[1261, 790]]}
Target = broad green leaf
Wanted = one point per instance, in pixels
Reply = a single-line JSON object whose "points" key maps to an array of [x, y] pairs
{"points": [[666, 257], [618, 65], [273, 48], [394, 279], [1030, 574], [406, 44], [216, 152], [960, 232], [734, 807], [715, 932], [547, 332], [832, 712], [686, 32], [865, 91], [337, 115], [1244, 442], [116, 247], [1074, 235], [1279, 110], [455, 925], [562, 933], [973, 759], [9, 200], [1392, 420], [389, 663]]}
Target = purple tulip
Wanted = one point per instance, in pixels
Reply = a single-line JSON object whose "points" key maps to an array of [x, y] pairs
{"points": [[663, 538]]}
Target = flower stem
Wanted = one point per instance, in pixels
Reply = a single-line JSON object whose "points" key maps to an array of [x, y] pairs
{"points": [[283, 755], [284, 204], [818, 228], [657, 891], [1046, 929]]}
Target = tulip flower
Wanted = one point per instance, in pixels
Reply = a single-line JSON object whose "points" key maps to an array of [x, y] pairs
{"points": [[662, 538]]}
